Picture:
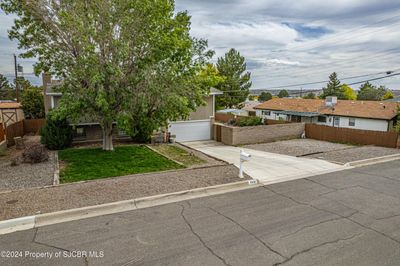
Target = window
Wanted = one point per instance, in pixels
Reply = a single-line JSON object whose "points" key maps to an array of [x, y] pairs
{"points": [[336, 121], [80, 132], [322, 119], [352, 122], [267, 113]]}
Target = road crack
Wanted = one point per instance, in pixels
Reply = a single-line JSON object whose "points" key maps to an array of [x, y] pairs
{"points": [[317, 246], [199, 237], [250, 233], [344, 217]]}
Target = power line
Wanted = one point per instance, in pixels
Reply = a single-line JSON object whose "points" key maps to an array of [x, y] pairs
{"points": [[319, 82]]}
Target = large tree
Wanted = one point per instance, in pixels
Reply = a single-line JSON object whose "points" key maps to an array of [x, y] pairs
{"points": [[6, 90], [333, 88], [33, 102], [237, 80], [348, 92], [369, 92], [128, 61]]}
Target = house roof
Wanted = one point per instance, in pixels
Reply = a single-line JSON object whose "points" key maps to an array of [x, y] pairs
{"points": [[363, 109], [9, 105], [249, 106]]}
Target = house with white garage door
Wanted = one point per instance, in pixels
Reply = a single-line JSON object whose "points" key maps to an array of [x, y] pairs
{"points": [[198, 126]]}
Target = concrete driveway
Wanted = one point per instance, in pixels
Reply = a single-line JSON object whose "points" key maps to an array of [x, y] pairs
{"points": [[267, 167]]}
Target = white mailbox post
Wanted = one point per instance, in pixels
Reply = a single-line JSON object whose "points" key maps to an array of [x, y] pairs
{"points": [[244, 157]]}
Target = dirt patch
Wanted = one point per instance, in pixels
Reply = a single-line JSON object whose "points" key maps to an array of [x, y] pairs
{"points": [[32, 201]]}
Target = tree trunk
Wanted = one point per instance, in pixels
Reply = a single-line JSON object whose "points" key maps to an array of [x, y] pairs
{"points": [[107, 137]]}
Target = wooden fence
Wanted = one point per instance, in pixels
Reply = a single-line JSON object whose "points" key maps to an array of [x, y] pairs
{"points": [[2, 133], [275, 122], [33, 125], [353, 136], [20, 128], [14, 130]]}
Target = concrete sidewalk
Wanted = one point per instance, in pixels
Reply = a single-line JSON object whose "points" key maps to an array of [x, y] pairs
{"points": [[267, 167]]}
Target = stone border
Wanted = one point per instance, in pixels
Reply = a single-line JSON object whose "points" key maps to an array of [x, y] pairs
{"points": [[56, 178], [29, 222]]}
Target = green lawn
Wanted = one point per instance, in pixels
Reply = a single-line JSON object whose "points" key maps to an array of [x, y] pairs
{"points": [[178, 154], [94, 163]]}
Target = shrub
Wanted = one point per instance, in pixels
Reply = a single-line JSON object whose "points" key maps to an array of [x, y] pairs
{"points": [[249, 121], [56, 134], [35, 154]]}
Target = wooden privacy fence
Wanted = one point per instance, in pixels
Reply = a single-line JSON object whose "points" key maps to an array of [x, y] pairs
{"points": [[21, 128], [33, 125], [14, 130], [353, 136], [2, 133]]}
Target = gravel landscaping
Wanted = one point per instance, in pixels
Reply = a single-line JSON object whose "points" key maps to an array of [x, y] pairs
{"points": [[44, 200], [25, 175], [355, 154], [298, 147]]}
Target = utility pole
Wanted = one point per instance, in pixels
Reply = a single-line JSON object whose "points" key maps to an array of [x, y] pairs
{"points": [[16, 78]]}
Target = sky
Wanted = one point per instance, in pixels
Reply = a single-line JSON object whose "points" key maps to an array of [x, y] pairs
{"points": [[287, 42]]}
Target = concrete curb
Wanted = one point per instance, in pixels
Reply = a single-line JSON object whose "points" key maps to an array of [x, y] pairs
{"points": [[29, 222], [375, 160], [18, 224], [56, 178]]}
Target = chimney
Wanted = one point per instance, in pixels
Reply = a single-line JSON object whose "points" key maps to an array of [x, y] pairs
{"points": [[46, 79], [330, 101]]}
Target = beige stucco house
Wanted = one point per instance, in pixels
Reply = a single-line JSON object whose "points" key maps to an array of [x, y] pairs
{"points": [[199, 124]]}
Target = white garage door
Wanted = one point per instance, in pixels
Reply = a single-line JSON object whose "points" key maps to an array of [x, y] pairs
{"points": [[191, 130]]}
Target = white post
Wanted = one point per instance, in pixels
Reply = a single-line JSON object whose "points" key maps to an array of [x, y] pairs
{"points": [[244, 157], [241, 168]]}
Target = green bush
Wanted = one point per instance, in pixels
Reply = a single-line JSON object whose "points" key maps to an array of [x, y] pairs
{"points": [[249, 121], [56, 134]]}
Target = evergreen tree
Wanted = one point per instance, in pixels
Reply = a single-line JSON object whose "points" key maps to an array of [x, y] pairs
{"points": [[6, 91], [236, 82], [333, 88], [369, 92]]}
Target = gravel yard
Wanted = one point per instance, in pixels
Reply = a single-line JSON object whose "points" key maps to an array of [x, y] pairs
{"points": [[25, 175], [333, 152], [298, 147], [355, 154], [32, 201]]}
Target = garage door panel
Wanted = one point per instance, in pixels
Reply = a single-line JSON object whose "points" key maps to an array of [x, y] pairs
{"points": [[191, 130]]}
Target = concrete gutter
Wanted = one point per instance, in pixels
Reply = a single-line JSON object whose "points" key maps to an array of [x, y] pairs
{"points": [[375, 160], [29, 222]]}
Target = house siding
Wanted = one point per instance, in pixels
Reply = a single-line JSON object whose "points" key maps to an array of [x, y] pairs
{"points": [[203, 112], [360, 123]]}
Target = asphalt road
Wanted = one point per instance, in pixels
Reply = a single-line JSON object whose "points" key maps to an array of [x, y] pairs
{"points": [[343, 218]]}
